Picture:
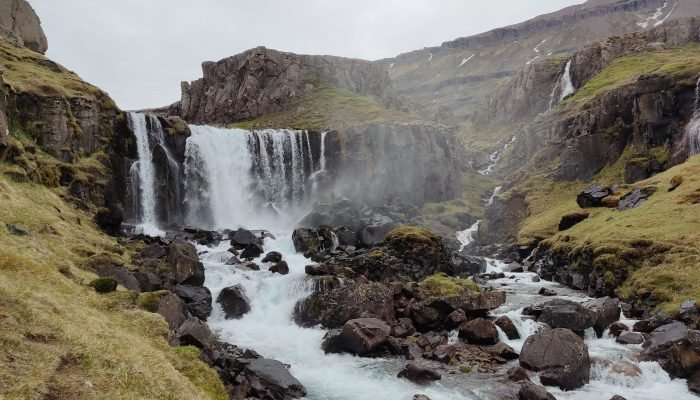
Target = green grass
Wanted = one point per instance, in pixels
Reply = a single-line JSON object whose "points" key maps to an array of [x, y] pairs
{"points": [[683, 62], [325, 108], [58, 336]]}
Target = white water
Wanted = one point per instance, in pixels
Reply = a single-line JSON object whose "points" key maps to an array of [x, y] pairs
{"points": [[146, 174], [466, 236], [322, 162], [567, 86], [656, 16], [269, 330], [495, 194], [693, 128], [466, 60], [494, 157]]}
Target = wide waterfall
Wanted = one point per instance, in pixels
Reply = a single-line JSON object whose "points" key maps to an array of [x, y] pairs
{"points": [[693, 129], [235, 177]]}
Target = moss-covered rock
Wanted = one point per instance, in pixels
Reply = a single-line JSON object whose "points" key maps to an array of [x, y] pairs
{"points": [[104, 284], [441, 285]]}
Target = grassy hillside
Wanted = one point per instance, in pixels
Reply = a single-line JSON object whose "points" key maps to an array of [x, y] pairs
{"points": [[656, 242], [327, 107], [61, 340]]}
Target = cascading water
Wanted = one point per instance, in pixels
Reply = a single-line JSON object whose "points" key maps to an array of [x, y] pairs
{"points": [[143, 172], [693, 129], [567, 85]]}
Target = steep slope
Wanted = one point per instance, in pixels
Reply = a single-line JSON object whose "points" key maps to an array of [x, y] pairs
{"points": [[459, 74], [20, 24]]}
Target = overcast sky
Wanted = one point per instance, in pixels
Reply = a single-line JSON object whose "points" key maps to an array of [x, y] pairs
{"points": [[140, 50]]}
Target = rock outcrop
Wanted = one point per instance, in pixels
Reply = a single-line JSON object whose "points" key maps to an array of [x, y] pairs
{"points": [[20, 24], [261, 81], [560, 356]]}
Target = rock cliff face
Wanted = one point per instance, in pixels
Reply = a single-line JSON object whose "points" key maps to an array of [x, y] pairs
{"points": [[20, 24], [459, 74], [377, 163], [261, 81]]}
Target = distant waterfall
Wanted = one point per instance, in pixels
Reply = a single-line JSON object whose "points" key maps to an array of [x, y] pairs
{"points": [[142, 173], [693, 129], [236, 178], [564, 86]]}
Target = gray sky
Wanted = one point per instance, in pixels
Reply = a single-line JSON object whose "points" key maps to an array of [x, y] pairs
{"points": [[140, 50]]}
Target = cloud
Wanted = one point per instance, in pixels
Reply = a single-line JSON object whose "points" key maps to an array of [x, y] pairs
{"points": [[139, 51]]}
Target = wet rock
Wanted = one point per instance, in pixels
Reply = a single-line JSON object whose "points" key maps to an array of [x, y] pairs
{"points": [[617, 397], [318, 270], [559, 313], [479, 331], [493, 276], [617, 328], [186, 267], [272, 257], [507, 326], [148, 281], [418, 374], [648, 325], [626, 368], [675, 347], [630, 338], [197, 299], [234, 302], [194, 332], [359, 336], [694, 382], [403, 328], [248, 266], [502, 351], [332, 309], [173, 310], [455, 319], [635, 198], [606, 311], [593, 196], [373, 234], [233, 261], [464, 265], [530, 391], [560, 356], [547, 292], [305, 240], [536, 278], [421, 397], [252, 250], [280, 268], [241, 238], [275, 377], [517, 374], [569, 220]]}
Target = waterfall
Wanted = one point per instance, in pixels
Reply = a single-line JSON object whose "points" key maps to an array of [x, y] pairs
{"points": [[237, 178], [322, 156], [693, 129], [145, 171], [567, 86]]}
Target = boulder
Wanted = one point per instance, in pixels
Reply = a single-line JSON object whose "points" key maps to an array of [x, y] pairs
{"points": [[560, 356], [606, 311], [186, 267], [104, 284], [234, 302], [173, 310], [617, 397], [593, 196], [360, 336], [502, 351], [508, 327], [617, 328], [479, 331], [635, 198], [626, 368], [252, 250], [675, 347], [688, 312], [233, 261], [120, 274], [148, 281], [154, 250], [420, 397], [418, 374], [630, 338], [274, 376], [20, 24], [305, 240], [648, 325], [547, 292], [272, 257], [280, 268], [530, 391], [559, 313], [569, 220], [694, 382], [242, 238], [374, 234], [464, 265], [194, 332], [197, 299], [455, 319], [517, 374]]}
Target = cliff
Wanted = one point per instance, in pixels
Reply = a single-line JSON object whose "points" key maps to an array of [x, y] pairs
{"points": [[459, 74], [262, 81], [20, 24]]}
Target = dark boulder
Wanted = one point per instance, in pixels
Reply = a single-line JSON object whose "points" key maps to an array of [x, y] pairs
{"points": [[606, 311], [241, 238], [617, 328], [508, 327], [547, 292], [560, 356], [688, 312], [517, 374], [455, 319], [694, 382], [530, 391], [234, 302], [418, 374], [275, 377], [197, 299], [675, 347], [233, 261], [252, 250], [569, 220], [305, 240], [593, 196], [272, 257], [464, 265], [560, 313], [153, 250], [648, 325], [173, 310], [360, 336], [104, 284], [148, 281], [186, 267], [630, 338], [194, 332], [635, 198], [479, 331], [373, 234], [280, 268], [120, 274], [420, 397]]}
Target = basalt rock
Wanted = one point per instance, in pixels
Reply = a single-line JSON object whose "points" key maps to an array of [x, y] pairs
{"points": [[507, 326], [197, 299], [280, 268], [186, 267], [479, 331], [606, 311], [271, 379], [571, 219], [418, 374], [120, 274], [234, 302], [358, 336], [194, 332], [559, 313], [252, 251], [630, 338], [20, 24], [530, 391], [675, 347], [272, 257], [560, 356]]}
